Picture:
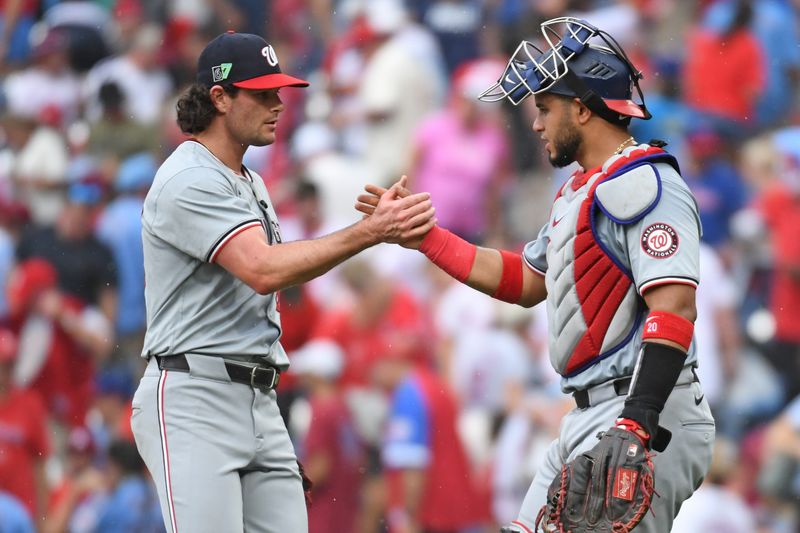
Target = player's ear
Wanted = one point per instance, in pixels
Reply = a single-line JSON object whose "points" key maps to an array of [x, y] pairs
{"points": [[219, 98], [581, 113]]}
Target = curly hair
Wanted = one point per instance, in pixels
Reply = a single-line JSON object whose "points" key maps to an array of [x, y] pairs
{"points": [[195, 109]]}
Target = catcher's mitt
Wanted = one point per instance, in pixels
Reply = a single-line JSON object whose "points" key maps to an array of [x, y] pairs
{"points": [[606, 489]]}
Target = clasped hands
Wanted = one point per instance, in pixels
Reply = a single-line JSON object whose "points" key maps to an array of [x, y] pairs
{"points": [[396, 215]]}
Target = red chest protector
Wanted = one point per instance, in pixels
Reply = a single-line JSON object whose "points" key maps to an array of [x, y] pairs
{"points": [[601, 281]]}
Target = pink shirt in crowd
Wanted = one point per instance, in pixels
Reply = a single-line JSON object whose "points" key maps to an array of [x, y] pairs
{"points": [[456, 166]]}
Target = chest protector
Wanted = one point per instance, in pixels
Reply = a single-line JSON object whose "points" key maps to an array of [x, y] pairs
{"points": [[592, 303]]}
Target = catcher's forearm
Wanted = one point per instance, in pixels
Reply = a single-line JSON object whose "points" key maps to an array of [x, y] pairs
{"points": [[656, 374], [498, 273]]}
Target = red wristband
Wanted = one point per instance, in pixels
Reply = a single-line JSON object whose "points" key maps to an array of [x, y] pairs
{"points": [[449, 252], [669, 327], [634, 427], [510, 287]]}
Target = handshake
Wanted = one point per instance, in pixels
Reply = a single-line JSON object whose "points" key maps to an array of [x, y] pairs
{"points": [[395, 215]]}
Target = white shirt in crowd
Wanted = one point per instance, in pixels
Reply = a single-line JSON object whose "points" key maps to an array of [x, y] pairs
{"points": [[713, 509]]}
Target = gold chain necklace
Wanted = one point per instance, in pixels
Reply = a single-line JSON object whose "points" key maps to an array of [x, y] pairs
{"points": [[621, 146]]}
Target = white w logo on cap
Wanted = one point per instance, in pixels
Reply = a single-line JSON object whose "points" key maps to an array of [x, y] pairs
{"points": [[269, 53]]}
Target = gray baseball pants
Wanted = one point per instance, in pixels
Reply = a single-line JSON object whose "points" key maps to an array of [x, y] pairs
{"points": [[679, 470], [218, 451]]}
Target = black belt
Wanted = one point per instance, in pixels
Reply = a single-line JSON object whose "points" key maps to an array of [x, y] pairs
{"points": [[264, 378], [621, 387]]}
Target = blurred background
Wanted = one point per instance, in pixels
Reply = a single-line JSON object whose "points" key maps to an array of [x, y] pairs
{"points": [[398, 371]]}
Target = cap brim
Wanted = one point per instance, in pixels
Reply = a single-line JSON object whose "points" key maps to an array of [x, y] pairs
{"points": [[629, 108], [271, 81]]}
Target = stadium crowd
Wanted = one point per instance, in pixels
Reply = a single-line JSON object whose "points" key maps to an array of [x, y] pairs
{"points": [[397, 370]]}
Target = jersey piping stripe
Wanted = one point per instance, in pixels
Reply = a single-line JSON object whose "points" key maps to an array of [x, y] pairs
{"points": [[165, 449], [523, 526], [212, 255], [666, 281], [529, 265]]}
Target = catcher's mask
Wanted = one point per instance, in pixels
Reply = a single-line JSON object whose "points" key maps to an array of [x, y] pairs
{"points": [[599, 74]]}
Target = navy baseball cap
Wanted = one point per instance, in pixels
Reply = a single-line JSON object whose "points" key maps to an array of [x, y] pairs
{"points": [[243, 60]]}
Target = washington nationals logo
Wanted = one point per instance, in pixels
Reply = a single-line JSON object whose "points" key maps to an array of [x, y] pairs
{"points": [[269, 53], [660, 240]]}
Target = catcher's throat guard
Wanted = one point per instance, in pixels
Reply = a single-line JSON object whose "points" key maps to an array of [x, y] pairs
{"points": [[600, 75]]}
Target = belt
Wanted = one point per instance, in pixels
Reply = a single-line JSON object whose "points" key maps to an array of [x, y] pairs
{"points": [[620, 387], [264, 378]]}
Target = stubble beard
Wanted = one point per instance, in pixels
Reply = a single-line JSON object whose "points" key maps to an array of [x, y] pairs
{"points": [[566, 146]]}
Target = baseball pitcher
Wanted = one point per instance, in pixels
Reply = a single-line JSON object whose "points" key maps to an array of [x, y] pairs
{"points": [[205, 416]]}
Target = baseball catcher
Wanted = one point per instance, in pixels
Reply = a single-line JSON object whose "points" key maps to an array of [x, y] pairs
{"points": [[617, 264]]}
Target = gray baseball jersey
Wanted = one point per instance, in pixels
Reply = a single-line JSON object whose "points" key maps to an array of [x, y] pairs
{"points": [[194, 207], [218, 451], [647, 225]]}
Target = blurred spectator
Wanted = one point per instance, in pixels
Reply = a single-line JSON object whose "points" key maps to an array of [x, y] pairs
{"points": [[337, 177], [487, 387], [14, 518], [115, 134], [617, 18], [311, 220], [116, 499], [422, 452], [129, 16], [672, 118], [110, 417], [7, 247], [779, 205], [142, 80], [384, 320], [119, 227], [724, 73], [332, 453], [16, 20], [86, 24], [775, 26], [60, 340], [779, 478], [85, 266], [456, 25], [392, 73], [716, 184], [24, 441], [183, 42], [74, 501], [393, 17], [718, 342], [38, 165], [48, 89], [530, 425], [132, 505], [716, 506], [460, 156]]}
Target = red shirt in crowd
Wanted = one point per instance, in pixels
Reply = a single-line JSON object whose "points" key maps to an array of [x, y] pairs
{"points": [[331, 433], [23, 442], [66, 378], [724, 76], [424, 415], [780, 208], [401, 327]]}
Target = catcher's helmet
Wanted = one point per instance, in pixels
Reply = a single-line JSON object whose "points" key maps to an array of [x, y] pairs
{"points": [[601, 75]]}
